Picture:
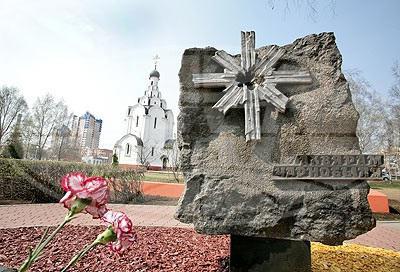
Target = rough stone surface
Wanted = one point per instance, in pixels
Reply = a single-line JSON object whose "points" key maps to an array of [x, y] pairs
{"points": [[228, 181]]}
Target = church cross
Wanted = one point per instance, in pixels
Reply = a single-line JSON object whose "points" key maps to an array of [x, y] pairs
{"points": [[156, 58], [250, 82]]}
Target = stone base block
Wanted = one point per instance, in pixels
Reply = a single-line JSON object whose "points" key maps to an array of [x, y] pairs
{"points": [[253, 254]]}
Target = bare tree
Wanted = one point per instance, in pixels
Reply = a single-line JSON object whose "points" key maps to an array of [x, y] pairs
{"points": [[27, 133], [47, 114], [61, 138], [311, 6], [147, 153], [373, 120], [172, 152], [395, 107], [11, 105]]}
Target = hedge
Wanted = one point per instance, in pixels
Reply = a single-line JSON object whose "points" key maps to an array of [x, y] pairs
{"points": [[39, 181]]}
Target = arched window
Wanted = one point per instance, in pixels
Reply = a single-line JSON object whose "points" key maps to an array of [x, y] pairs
{"points": [[137, 121], [128, 149], [155, 122]]}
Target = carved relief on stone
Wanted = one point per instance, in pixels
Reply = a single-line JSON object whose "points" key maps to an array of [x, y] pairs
{"points": [[250, 82]]}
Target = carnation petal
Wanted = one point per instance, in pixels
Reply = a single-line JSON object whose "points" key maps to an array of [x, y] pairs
{"points": [[96, 212], [95, 189], [94, 183], [68, 199], [73, 182], [122, 226]]}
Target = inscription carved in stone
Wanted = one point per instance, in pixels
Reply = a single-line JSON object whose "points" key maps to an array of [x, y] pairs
{"points": [[331, 167]]}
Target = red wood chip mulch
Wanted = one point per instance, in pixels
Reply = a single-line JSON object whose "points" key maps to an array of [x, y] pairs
{"points": [[156, 249]]}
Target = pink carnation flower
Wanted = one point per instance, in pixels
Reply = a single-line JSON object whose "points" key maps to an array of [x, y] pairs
{"points": [[122, 227], [77, 185]]}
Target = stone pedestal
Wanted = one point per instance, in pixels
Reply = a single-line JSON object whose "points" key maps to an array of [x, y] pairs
{"points": [[255, 254]]}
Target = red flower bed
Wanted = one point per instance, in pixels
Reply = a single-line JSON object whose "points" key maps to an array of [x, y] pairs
{"points": [[156, 249]]}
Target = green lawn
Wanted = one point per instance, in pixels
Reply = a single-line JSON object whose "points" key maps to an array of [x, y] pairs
{"points": [[161, 176], [381, 184]]}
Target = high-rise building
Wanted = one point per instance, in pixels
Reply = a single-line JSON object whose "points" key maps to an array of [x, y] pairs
{"points": [[86, 131]]}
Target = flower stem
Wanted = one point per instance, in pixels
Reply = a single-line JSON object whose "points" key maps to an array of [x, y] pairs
{"points": [[39, 248], [78, 256]]}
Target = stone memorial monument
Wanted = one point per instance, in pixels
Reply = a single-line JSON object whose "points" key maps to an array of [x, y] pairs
{"points": [[269, 151]]}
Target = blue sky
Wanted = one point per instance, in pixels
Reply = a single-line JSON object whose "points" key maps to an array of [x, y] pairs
{"points": [[97, 54]]}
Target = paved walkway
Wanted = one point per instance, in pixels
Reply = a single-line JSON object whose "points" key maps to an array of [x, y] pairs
{"points": [[30, 215], [385, 235]]}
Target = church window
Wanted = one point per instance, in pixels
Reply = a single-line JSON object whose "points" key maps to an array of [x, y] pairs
{"points": [[137, 121], [155, 122], [129, 111], [152, 151], [151, 83], [128, 149], [161, 104]]}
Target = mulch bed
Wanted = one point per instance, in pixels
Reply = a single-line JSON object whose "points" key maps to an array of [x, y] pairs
{"points": [[156, 249], [171, 249]]}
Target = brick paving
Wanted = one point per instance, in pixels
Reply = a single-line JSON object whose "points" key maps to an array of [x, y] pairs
{"points": [[385, 235], [30, 215]]}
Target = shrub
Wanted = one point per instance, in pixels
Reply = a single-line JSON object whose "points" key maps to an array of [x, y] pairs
{"points": [[125, 184], [39, 181]]}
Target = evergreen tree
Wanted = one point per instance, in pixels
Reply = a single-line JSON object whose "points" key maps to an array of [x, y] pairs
{"points": [[115, 159], [14, 148]]}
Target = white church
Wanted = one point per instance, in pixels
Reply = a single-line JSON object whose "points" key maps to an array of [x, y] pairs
{"points": [[149, 130]]}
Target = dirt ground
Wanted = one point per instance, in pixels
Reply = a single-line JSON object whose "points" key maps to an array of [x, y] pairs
{"points": [[159, 200], [392, 193]]}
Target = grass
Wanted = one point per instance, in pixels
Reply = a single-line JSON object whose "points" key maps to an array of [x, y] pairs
{"points": [[162, 176], [157, 200], [384, 185]]}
